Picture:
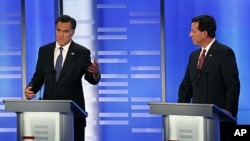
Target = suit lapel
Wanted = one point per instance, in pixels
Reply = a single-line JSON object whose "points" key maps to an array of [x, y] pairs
{"points": [[211, 53], [50, 56], [197, 55], [70, 55]]}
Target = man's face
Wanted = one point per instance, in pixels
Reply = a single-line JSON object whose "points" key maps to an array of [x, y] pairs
{"points": [[197, 36], [64, 33]]}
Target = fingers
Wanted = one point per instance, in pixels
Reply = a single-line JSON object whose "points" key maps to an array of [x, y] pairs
{"points": [[28, 90], [93, 68], [95, 62], [29, 93]]}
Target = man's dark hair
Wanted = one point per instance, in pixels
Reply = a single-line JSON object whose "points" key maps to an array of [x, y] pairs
{"points": [[65, 19], [206, 23]]}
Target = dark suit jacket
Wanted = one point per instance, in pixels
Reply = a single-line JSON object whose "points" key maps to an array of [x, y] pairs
{"points": [[69, 84], [218, 82]]}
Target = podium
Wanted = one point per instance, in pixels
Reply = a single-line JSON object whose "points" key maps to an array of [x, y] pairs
{"points": [[50, 120], [190, 122]]}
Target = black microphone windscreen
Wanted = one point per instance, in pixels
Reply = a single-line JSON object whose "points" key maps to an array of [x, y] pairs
{"points": [[207, 74]]}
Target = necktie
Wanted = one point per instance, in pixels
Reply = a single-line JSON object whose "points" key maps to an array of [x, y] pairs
{"points": [[200, 62], [201, 59], [58, 66]]}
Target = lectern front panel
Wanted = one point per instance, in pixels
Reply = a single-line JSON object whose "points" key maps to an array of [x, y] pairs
{"points": [[40, 125], [188, 128], [45, 126]]}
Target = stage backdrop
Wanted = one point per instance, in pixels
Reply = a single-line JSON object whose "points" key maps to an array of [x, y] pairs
{"points": [[39, 29], [232, 29], [125, 37], [10, 63]]}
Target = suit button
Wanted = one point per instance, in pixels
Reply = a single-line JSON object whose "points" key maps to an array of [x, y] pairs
{"points": [[197, 89]]}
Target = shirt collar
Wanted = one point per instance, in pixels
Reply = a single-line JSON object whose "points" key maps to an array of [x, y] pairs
{"points": [[209, 45], [65, 47]]}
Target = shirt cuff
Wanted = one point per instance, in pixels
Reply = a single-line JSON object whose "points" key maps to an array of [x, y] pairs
{"points": [[96, 76]]}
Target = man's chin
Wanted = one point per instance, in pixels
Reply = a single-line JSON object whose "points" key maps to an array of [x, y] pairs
{"points": [[196, 44], [62, 43]]}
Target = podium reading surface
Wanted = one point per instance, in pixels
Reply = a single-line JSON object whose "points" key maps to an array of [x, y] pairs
{"points": [[45, 119], [194, 122]]}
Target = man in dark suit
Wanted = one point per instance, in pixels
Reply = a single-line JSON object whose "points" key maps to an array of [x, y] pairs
{"points": [[76, 63], [216, 81]]}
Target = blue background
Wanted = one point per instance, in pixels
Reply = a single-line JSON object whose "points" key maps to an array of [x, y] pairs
{"points": [[232, 30]]}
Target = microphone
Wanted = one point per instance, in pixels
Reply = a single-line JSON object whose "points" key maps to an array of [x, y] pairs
{"points": [[198, 73], [207, 75], [40, 95], [185, 90], [196, 77], [52, 72]]}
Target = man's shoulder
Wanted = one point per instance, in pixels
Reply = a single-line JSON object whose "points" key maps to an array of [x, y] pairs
{"points": [[222, 48], [221, 45], [51, 44], [47, 47], [78, 46]]}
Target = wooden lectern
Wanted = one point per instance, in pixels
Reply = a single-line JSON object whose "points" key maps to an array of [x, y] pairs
{"points": [[50, 120], [190, 122]]}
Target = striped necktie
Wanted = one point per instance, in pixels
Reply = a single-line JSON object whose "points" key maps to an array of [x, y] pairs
{"points": [[200, 62], [58, 66], [201, 59]]}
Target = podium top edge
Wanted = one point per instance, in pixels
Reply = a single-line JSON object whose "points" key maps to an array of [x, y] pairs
{"points": [[42, 101], [181, 104], [209, 107]]}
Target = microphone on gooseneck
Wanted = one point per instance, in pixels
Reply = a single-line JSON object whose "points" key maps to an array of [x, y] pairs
{"points": [[198, 72], [207, 75], [52, 72], [186, 90], [197, 76], [40, 95]]}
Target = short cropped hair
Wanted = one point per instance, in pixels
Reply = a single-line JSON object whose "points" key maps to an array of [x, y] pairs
{"points": [[206, 23], [65, 19]]}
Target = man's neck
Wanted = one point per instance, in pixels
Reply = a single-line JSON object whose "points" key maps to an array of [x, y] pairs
{"points": [[207, 41]]}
